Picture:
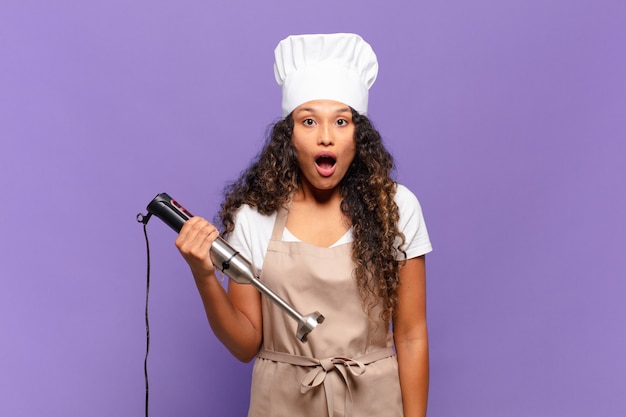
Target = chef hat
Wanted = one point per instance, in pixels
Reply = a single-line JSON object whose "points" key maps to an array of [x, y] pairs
{"points": [[340, 67]]}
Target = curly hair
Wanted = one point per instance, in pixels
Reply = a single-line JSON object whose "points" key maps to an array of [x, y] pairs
{"points": [[367, 192]]}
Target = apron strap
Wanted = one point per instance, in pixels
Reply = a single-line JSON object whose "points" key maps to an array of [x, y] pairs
{"points": [[279, 223], [317, 376]]}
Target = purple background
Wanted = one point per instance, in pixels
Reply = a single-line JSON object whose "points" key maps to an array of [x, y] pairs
{"points": [[506, 118]]}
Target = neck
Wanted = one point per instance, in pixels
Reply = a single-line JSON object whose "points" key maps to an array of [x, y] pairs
{"points": [[311, 195]]}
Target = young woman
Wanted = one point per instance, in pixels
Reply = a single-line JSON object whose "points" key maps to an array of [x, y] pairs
{"points": [[329, 230]]}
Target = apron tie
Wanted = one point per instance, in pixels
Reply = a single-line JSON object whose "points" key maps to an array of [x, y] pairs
{"points": [[317, 376]]}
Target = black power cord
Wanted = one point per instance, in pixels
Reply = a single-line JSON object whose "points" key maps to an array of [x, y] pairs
{"points": [[144, 219]]}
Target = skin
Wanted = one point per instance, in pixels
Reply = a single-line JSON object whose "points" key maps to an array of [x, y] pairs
{"points": [[321, 128], [410, 336]]}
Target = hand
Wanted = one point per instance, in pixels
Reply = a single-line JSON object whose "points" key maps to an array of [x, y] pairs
{"points": [[194, 243]]}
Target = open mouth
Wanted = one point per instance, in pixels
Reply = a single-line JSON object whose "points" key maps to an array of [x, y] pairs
{"points": [[325, 165], [325, 162]]}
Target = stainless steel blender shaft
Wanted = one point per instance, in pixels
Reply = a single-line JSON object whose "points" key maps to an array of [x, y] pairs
{"points": [[240, 270]]}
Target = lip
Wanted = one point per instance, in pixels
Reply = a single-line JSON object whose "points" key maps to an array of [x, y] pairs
{"points": [[325, 170]]}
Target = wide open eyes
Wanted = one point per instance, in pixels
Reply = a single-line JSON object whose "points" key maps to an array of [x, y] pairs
{"points": [[339, 122]]}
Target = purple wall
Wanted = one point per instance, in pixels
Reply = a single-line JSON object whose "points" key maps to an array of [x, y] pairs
{"points": [[506, 118]]}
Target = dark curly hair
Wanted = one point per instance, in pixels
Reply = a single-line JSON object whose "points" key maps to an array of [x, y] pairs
{"points": [[367, 192]]}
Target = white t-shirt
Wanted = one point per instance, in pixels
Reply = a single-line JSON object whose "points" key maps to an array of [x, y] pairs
{"points": [[253, 230]]}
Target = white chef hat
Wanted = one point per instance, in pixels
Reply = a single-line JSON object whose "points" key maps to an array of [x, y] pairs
{"points": [[340, 67]]}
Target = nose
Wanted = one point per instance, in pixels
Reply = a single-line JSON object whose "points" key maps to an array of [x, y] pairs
{"points": [[325, 135]]}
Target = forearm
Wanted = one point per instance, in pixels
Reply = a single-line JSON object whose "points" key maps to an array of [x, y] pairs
{"points": [[235, 320], [229, 324], [411, 337], [414, 376]]}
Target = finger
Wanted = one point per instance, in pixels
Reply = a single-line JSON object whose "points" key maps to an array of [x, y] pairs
{"points": [[197, 239], [190, 230], [204, 237]]}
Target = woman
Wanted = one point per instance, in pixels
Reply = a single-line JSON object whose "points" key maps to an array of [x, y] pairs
{"points": [[329, 230]]}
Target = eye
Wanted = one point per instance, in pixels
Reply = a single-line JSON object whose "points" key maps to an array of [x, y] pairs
{"points": [[342, 122], [308, 122]]}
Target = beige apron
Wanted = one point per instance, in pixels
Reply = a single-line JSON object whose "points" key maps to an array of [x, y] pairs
{"points": [[347, 367]]}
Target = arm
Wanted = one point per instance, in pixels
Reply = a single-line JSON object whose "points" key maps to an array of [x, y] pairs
{"points": [[411, 337], [235, 317]]}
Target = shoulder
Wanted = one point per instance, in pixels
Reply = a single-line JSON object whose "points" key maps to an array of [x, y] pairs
{"points": [[252, 224], [248, 214], [411, 223], [251, 234], [407, 201], [404, 194]]}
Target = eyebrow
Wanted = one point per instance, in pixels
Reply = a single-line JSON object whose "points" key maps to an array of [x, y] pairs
{"points": [[313, 110]]}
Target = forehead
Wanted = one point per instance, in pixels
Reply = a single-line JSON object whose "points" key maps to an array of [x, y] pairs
{"points": [[323, 106]]}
